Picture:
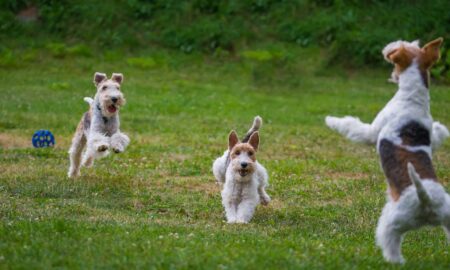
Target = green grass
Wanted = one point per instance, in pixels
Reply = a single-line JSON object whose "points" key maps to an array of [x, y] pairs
{"points": [[157, 205]]}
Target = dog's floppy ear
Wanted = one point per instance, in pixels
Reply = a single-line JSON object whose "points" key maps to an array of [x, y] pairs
{"points": [[400, 57], [99, 77], [232, 139], [117, 77], [431, 52], [254, 140]]}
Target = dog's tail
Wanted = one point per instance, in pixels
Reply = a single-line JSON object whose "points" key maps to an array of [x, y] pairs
{"points": [[89, 100], [424, 198], [257, 123]]}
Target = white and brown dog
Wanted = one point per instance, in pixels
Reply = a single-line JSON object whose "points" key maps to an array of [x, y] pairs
{"points": [[243, 177], [99, 128], [405, 135]]}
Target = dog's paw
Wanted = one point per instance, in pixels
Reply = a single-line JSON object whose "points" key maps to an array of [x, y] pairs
{"points": [[265, 200], [241, 221], [118, 149], [73, 174], [395, 259], [231, 221], [331, 121], [102, 148]]}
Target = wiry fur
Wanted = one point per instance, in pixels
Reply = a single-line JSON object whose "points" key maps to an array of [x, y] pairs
{"points": [[243, 187], [405, 135], [424, 203], [99, 128], [403, 101]]}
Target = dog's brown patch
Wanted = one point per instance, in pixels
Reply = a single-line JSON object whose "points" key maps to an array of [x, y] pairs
{"points": [[394, 160], [414, 134]]}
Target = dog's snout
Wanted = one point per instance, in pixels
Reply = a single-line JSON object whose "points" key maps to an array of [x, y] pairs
{"points": [[244, 164], [114, 99]]}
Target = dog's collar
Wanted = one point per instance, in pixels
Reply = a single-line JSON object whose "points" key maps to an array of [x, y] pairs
{"points": [[105, 119]]}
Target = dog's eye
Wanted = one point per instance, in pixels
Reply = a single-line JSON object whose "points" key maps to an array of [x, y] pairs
{"points": [[250, 153], [237, 153], [104, 87]]}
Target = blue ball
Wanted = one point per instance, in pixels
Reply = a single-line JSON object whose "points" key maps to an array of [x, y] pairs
{"points": [[43, 138]]}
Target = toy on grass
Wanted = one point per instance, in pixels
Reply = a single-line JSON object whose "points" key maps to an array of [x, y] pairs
{"points": [[43, 138]]}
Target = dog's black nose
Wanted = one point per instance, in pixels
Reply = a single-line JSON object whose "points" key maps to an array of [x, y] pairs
{"points": [[114, 99], [244, 164]]}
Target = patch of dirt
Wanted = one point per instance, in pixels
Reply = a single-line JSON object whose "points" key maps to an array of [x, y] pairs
{"points": [[9, 141]]}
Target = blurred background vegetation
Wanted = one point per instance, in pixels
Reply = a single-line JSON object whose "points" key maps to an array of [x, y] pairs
{"points": [[350, 33]]}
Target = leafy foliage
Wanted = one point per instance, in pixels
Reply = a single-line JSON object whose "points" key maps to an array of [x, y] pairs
{"points": [[353, 31]]}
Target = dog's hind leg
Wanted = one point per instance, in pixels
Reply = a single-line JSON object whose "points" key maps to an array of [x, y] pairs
{"points": [[389, 237], [352, 128], [78, 143], [263, 196], [447, 231]]}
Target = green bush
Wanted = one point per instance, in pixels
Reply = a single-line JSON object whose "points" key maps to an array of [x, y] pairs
{"points": [[353, 31]]}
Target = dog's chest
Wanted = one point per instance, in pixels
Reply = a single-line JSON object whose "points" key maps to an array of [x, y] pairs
{"points": [[100, 124], [109, 126], [242, 190]]}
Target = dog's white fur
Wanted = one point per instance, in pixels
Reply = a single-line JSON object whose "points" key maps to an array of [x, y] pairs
{"points": [[357, 131], [241, 194], [99, 129], [425, 202]]}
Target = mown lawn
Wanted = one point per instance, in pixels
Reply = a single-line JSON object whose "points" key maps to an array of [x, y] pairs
{"points": [[157, 206]]}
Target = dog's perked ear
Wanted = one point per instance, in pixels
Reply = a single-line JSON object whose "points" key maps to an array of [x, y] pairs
{"points": [[232, 139], [254, 140], [117, 77], [431, 52], [99, 77]]}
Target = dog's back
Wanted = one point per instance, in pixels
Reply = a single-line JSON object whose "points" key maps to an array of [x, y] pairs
{"points": [[410, 145]]}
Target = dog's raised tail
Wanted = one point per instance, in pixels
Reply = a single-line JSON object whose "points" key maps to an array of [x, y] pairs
{"points": [[89, 100], [424, 198], [257, 123]]}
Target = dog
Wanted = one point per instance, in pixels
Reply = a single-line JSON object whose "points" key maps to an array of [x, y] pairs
{"points": [[405, 136], [99, 128], [357, 131], [244, 179]]}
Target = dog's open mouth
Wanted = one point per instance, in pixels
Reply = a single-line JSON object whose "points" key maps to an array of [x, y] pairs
{"points": [[243, 172], [112, 108]]}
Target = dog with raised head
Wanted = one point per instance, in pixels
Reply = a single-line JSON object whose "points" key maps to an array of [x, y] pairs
{"points": [[357, 131], [405, 135], [244, 179], [99, 128]]}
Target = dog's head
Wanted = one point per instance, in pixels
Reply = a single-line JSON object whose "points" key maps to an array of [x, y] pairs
{"points": [[109, 97], [403, 54], [243, 155]]}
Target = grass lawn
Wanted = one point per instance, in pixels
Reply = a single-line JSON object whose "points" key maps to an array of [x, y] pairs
{"points": [[157, 205]]}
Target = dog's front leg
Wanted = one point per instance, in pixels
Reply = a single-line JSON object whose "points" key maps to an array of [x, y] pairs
{"points": [[352, 128], [230, 210], [245, 211], [97, 147], [438, 135], [119, 141]]}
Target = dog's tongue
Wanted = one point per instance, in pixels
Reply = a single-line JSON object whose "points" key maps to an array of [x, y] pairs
{"points": [[112, 109]]}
